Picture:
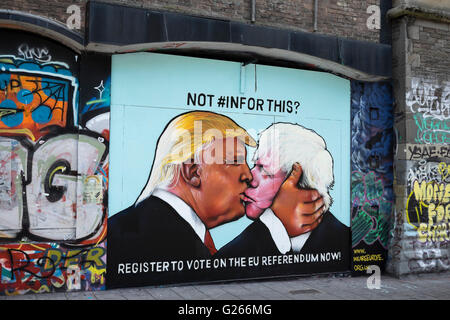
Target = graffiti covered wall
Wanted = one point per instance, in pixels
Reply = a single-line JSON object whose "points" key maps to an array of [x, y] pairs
{"points": [[427, 210], [372, 176], [53, 166], [420, 46]]}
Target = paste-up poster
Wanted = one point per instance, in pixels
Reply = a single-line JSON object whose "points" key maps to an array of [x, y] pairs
{"points": [[221, 170]]}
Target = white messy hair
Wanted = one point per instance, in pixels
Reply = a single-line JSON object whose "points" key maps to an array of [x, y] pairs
{"points": [[295, 143]]}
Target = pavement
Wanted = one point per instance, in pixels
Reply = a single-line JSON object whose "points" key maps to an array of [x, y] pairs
{"points": [[434, 286]]}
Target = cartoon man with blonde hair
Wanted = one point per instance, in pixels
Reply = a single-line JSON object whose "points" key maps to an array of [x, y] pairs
{"points": [[197, 182]]}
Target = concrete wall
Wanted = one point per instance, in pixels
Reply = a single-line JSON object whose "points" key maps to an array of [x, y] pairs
{"points": [[421, 69]]}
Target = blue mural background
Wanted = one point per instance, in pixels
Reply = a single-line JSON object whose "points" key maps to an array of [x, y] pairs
{"points": [[149, 89]]}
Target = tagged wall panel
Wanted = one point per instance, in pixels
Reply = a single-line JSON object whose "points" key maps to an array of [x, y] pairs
{"points": [[372, 194], [53, 168]]}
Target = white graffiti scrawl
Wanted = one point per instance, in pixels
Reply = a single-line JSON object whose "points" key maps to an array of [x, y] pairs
{"points": [[429, 102], [432, 100]]}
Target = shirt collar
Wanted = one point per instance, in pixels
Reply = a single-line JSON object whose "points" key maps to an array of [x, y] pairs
{"points": [[184, 210]]}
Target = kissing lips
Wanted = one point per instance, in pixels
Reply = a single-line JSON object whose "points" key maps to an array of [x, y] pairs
{"points": [[246, 198]]}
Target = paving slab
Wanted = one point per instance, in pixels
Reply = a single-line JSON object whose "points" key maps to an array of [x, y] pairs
{"points": [[79, 295], [236, 289], [215, 293], [190, 293], [163, 293], [136, 294], [260, 289]]}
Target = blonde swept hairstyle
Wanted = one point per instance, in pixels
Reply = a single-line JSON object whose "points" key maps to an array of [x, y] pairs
{"points": [[183, 140]]}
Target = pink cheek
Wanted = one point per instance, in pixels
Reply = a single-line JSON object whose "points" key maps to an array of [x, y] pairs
{"points": [[264, 194], [271, 187]]}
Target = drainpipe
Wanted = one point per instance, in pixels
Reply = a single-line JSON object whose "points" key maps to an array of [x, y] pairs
{"points": [[253, 11], [316, 9]]}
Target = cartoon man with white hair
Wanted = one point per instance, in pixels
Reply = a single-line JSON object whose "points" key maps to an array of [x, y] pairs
{"points": [[197, 182], [280, 147]]}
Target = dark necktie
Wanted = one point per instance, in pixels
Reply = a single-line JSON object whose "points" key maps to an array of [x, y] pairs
{"points": [[210, 243]]}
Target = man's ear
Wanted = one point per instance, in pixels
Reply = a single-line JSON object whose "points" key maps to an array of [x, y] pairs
{"points": [[190, 174]]}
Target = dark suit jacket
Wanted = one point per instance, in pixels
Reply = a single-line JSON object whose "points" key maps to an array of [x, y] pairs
{"points": [[152, 231], [330, 236]]}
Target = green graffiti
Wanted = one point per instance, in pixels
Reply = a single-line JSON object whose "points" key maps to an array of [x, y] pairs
{"points": [[432, 130], [371, 212]]}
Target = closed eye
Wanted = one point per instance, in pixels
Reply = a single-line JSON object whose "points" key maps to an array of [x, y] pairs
{"points": [[264, 171]]}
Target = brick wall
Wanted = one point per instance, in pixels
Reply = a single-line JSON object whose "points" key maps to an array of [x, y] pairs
{"points": [[345, 18]]}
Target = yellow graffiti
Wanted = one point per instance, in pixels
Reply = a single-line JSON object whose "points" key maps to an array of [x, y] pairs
{"points": [[432, 202], [42, 289], [431, 192], [417, 209], [101, 236], [435, 233], [30, 244], [444, 170], [97, 274], [368, 257], [59, 168], [358, 267], [20, 131], [20, 246], [84, 258]]}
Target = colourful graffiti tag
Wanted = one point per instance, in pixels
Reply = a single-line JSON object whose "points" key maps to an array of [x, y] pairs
{"points": [[53, 179], [372, 174], [34, 97], [428, 206], [370, 221], [45, 267]]}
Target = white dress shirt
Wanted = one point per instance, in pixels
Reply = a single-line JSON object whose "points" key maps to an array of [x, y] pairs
{"points": [[184, 210], [279, 234]]}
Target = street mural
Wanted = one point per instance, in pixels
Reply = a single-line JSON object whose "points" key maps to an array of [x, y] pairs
{"points": [[56, 199], [426, 211], [235, 182], [53, 171]]}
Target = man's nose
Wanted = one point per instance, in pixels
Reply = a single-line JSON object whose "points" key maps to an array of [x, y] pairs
{"points": [[255, 182], [246, 175]]}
